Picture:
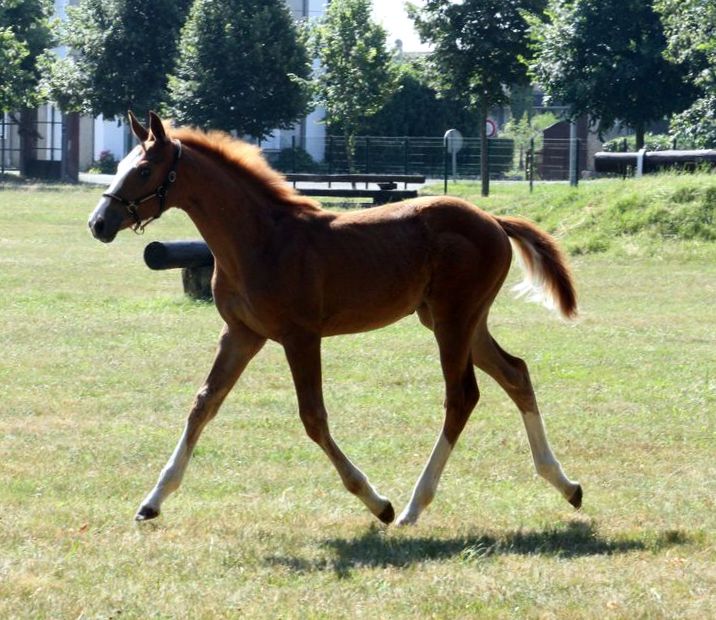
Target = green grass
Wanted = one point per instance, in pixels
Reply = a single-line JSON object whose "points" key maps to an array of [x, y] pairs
{"points": [[100, 359], [628, 216]]}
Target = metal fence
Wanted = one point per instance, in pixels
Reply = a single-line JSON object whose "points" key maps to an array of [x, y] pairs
{"points": [[38, 141], [9, 143], [551, 161], [395, 155], [41, 150]]}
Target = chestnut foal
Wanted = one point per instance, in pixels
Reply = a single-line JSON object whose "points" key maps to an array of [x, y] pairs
{"points": [[288, 271]]}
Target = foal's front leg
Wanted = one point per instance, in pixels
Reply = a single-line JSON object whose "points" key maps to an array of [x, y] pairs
{"points": [[303, 352], [237, 345]]}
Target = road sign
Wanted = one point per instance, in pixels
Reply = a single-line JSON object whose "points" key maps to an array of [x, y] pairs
{"points": [[453, 141], [491, 127]]}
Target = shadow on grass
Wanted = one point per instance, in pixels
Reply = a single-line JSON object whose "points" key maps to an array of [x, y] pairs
{"points": [[376, 549]]}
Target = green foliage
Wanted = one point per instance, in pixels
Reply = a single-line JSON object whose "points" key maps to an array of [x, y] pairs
{"points": [[690, 27], [480, 46], [241, 68], [294, 160], [522, 100], [605, 58], [525, 129], [357, 73], [652, 142], [479, 52], [106, 164], [613, 215], [122, 51], [414, 108], [25, 35]]}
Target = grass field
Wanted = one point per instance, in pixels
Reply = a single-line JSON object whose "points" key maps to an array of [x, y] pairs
{"points": [[100, 358]]}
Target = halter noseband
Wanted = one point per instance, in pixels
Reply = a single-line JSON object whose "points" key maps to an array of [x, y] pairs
{"points": [[132, 206]]}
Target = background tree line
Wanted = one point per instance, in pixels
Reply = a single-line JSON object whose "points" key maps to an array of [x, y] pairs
{"points": [[247, 66]]}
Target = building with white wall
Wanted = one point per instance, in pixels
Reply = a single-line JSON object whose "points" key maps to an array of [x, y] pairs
{"points": [[310, 132], [99, 135], [86, 138]]}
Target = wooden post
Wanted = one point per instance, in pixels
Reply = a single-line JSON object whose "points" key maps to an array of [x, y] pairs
{"points": [[197, 282], [405, 157], [532, 163], [293, 153], [484, 152], [445, 163], [2, 145]]}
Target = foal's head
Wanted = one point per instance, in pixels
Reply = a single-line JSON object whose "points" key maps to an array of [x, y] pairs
{"points": [[137, 194]]}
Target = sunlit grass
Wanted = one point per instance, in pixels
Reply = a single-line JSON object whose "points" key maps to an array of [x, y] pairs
{"points": [[100, 359], [631, 216]]}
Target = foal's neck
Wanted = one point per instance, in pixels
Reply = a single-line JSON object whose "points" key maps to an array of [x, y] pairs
{"points": [[232, 214]]}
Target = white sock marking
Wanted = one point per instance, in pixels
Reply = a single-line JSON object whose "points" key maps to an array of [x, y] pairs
{"points": [[427, 483], [545, 462]]}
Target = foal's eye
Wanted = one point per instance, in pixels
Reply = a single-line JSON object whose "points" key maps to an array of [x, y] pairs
{"points": [[144, 171]]}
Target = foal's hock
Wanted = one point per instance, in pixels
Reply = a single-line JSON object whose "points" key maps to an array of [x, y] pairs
{"points": [[288, 271]]}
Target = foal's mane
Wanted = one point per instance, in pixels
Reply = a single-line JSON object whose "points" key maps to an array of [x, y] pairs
{"points": [[249, 161]]}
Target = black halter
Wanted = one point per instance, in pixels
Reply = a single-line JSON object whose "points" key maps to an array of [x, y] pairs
{"points": [[132, 206]]}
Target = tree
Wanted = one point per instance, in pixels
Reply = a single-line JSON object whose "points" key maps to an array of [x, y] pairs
{"points": [[24, 36], [525, 129], [689, 26], [479, 51], [356, 73], [605, 58], [120, 54], [241, 67], [415, 109]]}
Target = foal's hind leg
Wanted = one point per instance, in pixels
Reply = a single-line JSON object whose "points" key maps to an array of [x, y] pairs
{"points": [[461, 396], [303, 352], [237, 346], [512, 375]]}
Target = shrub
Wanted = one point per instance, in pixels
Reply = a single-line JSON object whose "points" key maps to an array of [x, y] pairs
{"points": [[106, 164], [652, 142], [294, 160]]}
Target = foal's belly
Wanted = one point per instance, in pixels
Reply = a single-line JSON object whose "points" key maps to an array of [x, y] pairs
{"points": [[372, 314], [373, 271]]}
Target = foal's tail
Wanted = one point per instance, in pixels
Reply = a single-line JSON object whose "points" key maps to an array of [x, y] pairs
{"points": [[547, 275]]}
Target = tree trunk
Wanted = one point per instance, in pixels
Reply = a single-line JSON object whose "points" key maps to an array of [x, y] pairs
{"points": [[28, 138], [639, 136], [484, 161], [350, 138]]}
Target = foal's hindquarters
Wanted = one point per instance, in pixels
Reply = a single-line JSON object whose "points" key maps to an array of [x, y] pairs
{"points": [[471, 264]]}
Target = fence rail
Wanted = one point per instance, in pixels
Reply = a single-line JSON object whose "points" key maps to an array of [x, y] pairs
{"points": [[39, 143], [394, 155], [387, 155]]}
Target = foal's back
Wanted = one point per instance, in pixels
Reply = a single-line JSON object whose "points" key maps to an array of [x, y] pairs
{"points": [[381, 264]]}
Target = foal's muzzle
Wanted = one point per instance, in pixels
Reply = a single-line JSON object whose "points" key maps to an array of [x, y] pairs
{"points": [[105, 222]]}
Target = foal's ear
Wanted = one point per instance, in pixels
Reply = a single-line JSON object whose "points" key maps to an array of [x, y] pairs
{"points": [[157, 128], [137, 128]]}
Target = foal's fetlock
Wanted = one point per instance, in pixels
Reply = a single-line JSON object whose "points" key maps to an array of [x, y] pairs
{"points": [[407, 517]]}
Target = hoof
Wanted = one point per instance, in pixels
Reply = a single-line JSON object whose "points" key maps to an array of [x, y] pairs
{"points": [[576, 499], [388, 514], [145, 513]]}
